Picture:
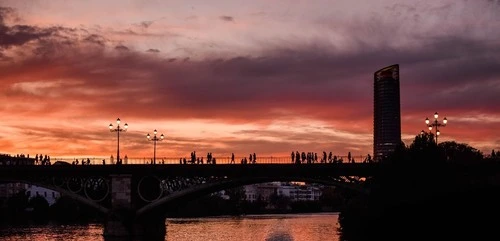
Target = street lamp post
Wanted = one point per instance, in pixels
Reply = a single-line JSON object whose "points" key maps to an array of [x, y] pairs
{"points": [[155, 139], [118, 129], [436, 124]]}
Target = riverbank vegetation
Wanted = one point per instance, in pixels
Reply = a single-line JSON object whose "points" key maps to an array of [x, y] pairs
{"points": [[418, 196], [20, 209]]}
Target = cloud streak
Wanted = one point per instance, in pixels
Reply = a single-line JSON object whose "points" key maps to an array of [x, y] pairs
{"points": [[227, 18]]}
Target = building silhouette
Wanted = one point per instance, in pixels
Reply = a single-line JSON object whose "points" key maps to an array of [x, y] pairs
{"points": [[386, 112]]}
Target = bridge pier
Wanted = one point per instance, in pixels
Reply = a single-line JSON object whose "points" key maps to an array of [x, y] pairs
{"points": [[144, 229], [122, 224]]}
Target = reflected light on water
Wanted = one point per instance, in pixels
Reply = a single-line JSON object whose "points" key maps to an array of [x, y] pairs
{"points": [[308, 227], [301, 227], [83, 232]]}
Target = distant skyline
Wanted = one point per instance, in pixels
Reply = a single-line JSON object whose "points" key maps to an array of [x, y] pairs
{"points": [[268, 77]]}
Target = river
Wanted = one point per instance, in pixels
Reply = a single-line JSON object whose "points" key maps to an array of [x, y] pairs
{"points": [[286, 227]]}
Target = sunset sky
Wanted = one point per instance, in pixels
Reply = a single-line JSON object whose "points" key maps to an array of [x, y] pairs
{"points": [[241, 76]]}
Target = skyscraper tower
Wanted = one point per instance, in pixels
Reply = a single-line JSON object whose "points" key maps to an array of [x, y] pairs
{"points": [[386, 112]]}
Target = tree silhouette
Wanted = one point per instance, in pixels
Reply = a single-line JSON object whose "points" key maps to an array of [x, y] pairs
{"points": [[236, 194], [18, 202], [424, 150], [16, 206], [460, 152], [417, 182], [332, 197], [280, 202], [40, 208]]}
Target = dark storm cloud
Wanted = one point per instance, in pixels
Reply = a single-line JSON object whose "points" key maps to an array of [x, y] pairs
{"points": [[16, 35], [7, 13], [302, 79], [142, 33], [227, 18], [42, 43], [314, 79], [145, 24], [96, 39], [121, 48]]}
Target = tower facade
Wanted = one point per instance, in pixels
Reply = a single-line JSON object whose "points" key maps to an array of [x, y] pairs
{"points": [[386, 112]]}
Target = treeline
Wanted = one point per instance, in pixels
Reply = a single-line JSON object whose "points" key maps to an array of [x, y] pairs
{"points": [[20, 209], [418, 197]]}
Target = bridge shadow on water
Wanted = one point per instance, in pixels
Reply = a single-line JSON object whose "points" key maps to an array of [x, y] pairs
{"points": [[280, 236]]}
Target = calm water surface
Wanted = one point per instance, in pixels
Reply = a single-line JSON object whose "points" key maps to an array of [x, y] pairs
{"points": [[302, 227]]}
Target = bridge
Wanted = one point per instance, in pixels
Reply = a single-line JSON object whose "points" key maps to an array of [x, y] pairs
{"points": [[221, 159], [135, 198]]}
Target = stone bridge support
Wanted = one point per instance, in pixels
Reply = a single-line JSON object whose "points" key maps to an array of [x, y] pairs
{"points": [[122, 222]]}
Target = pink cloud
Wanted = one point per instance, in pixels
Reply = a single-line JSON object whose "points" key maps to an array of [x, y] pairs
{"points": [[56, 76]]}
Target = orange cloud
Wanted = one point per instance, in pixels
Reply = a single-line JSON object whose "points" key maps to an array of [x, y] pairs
{"points": [[63, 85]]}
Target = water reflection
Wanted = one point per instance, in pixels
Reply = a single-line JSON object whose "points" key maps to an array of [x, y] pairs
{"points": [[280, 231], [280, 237], [304, 227], [86, 232]]}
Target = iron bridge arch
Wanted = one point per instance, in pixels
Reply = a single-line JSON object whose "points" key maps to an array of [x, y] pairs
{"points": [[199, 190], [77, 195]]}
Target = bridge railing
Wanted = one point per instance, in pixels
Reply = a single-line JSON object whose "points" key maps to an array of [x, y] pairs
{"points": [[219, 160], [179, 160]]}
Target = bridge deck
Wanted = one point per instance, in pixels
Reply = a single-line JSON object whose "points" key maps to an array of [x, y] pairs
{"points": [[233, 170], [229, 170]]}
